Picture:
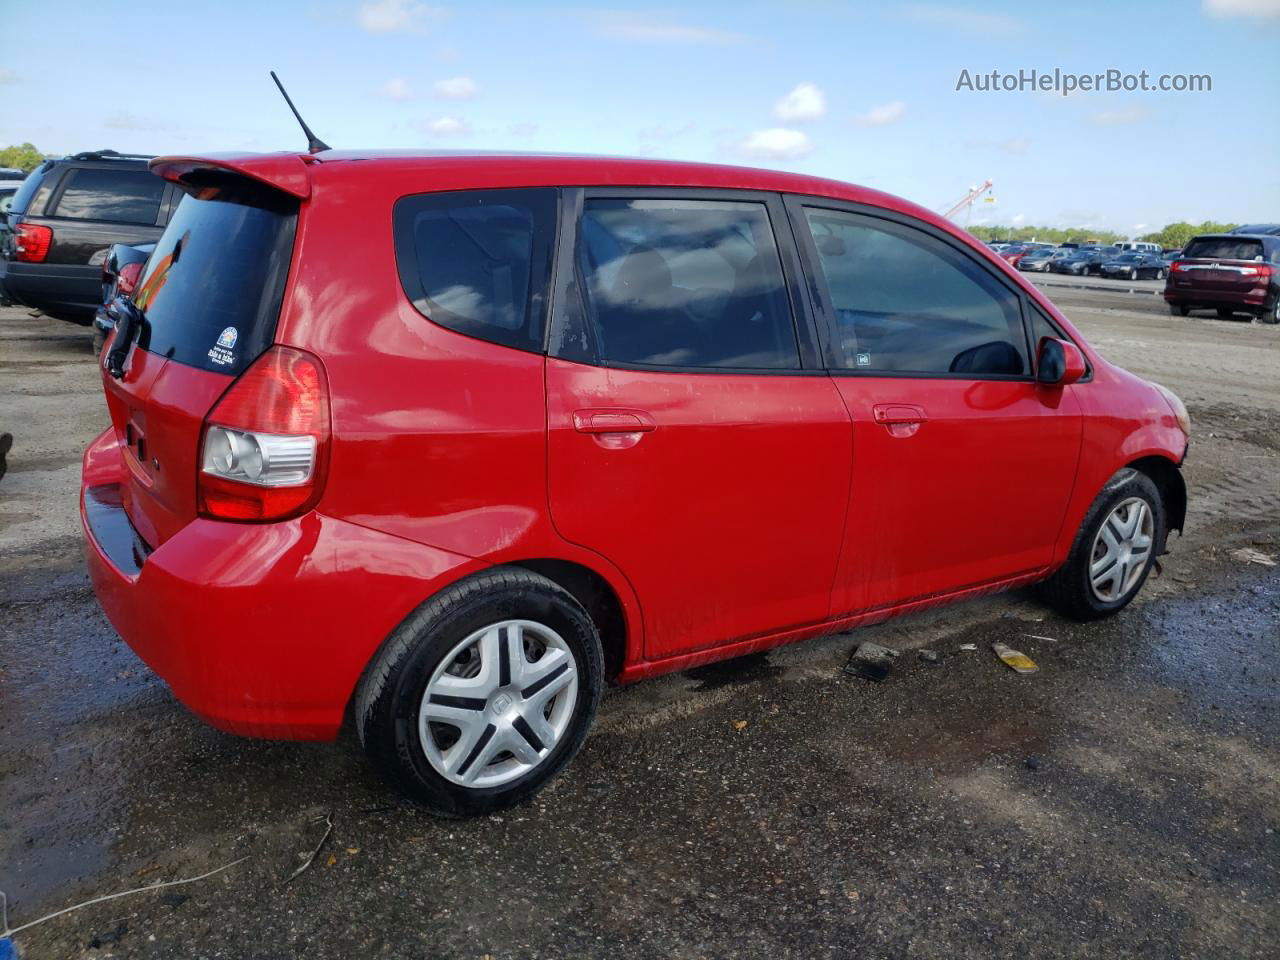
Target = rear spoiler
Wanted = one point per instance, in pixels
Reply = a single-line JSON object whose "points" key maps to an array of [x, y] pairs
{"points": [[286, 172]]}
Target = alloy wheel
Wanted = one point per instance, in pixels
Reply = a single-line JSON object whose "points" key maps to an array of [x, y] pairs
{"points": [[498, 704], [1121, 549]]}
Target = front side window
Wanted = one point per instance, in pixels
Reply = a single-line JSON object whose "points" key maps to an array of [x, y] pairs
{"points": [[119, 196], [904, 301], [685, 283], [478, 261]]}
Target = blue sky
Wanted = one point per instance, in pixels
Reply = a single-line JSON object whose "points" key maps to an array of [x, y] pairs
{"points": [[864, 92]]}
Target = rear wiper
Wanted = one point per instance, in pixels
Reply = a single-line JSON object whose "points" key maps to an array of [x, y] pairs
{"points": [[128, 319]]}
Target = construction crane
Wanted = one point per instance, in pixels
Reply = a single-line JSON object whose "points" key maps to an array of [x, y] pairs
{"points": [[969, 200]]}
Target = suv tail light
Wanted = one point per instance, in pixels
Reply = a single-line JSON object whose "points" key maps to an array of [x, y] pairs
{"points": [[265, 444], [32, 242]]}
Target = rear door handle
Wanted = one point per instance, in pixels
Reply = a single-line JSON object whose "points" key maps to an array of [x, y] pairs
{"points": [[900, 419], [613, 421]]}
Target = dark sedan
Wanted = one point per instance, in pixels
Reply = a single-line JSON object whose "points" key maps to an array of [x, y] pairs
{"points": [[1082, 263], [1134, 266]]}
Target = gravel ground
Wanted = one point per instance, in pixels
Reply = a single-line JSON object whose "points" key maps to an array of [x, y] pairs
{"points": [[1122, 802]]}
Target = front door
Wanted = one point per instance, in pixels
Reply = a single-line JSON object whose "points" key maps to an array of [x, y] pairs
{"points": [[688, 442], [963, 464]]}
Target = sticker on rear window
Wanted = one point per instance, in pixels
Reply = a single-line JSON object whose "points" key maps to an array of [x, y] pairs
{"points": [[863, 359], [221, 353]]}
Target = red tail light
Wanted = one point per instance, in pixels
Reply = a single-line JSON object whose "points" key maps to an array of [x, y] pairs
{"points": [[127, 281], [1179, 266], [265, 446], [32, 242]]}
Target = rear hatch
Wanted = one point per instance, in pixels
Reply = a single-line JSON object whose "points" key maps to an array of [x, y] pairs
{"points": [[209, 296], [1226, 266]]}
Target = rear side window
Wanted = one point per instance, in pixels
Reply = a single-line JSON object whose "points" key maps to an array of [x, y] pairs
{"points": [[685, 283], [1223, 248], [119, 196], [211, 291], [906, 302], [27, 189], [478, 261]]}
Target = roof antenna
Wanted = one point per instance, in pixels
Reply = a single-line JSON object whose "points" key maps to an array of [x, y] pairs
{"points": [[314, 143]]}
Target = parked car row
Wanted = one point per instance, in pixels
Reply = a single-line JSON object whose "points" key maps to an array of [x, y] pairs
{"points": [[1131, 260], [1231, 273]]}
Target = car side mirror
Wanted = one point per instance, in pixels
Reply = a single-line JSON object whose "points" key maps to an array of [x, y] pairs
{"points": [[1058, 363]]}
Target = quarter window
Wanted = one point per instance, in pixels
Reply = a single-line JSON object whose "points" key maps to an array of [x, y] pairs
{"points": [[118, 196], [478, 261], [906, 302], [685, 283]]}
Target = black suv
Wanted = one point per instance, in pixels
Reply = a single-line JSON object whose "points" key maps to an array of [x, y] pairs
{"points": [[63, 220]]}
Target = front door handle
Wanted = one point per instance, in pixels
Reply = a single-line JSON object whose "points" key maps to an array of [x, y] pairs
{"points": [[612, 420], [902, 420]]}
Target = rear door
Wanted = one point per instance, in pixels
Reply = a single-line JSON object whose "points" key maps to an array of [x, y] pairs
{"points": [[210, 295], [694, 440], [963, 465]]}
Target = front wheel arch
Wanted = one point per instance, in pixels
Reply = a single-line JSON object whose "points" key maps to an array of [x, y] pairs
{"points": [[1167, 477]]}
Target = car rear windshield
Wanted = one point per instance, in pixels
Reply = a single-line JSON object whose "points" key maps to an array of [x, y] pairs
{"points": [[117, 196], [1223, 248], [212, 289]]}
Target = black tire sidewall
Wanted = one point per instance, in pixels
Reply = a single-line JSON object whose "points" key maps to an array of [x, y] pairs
{"points": [[390, 725]]}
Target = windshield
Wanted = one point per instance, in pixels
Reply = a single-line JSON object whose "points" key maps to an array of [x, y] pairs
{"points": [[212, 289]]}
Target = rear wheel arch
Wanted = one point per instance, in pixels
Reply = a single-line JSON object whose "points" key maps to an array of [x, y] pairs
{"points": [[598, 598], [1167, 477]]}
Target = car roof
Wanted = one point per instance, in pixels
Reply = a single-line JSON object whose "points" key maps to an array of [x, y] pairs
{"points": [[290, 172]]}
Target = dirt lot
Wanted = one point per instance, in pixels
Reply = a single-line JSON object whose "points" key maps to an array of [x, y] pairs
{"points": [[1124, 801]]}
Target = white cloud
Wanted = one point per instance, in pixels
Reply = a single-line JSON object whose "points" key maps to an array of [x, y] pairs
{"points": [[882, 115], [778, 143], [455, 88], [397, 88], [1018, 218], [7, 76], [1242, 8], [640, 29], [974, 22], [1120, 117], [393, 16], [805, 102], [1139, 227], [448, 127]]}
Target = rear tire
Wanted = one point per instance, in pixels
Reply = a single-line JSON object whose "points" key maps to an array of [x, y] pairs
{"points": [[1179, 309], [449, 750], [1272, 315], [1225, 314], [1109, 562]]}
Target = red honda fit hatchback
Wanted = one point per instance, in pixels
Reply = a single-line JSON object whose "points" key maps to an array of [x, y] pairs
{"points": [[448, 442]]}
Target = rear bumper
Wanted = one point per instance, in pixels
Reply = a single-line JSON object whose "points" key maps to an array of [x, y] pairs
{"points": [[1251, 299], [260, 629], [67, 291]]}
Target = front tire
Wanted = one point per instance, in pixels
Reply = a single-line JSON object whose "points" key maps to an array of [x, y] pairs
{"points": [[1113, 551], [484, 694]]}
